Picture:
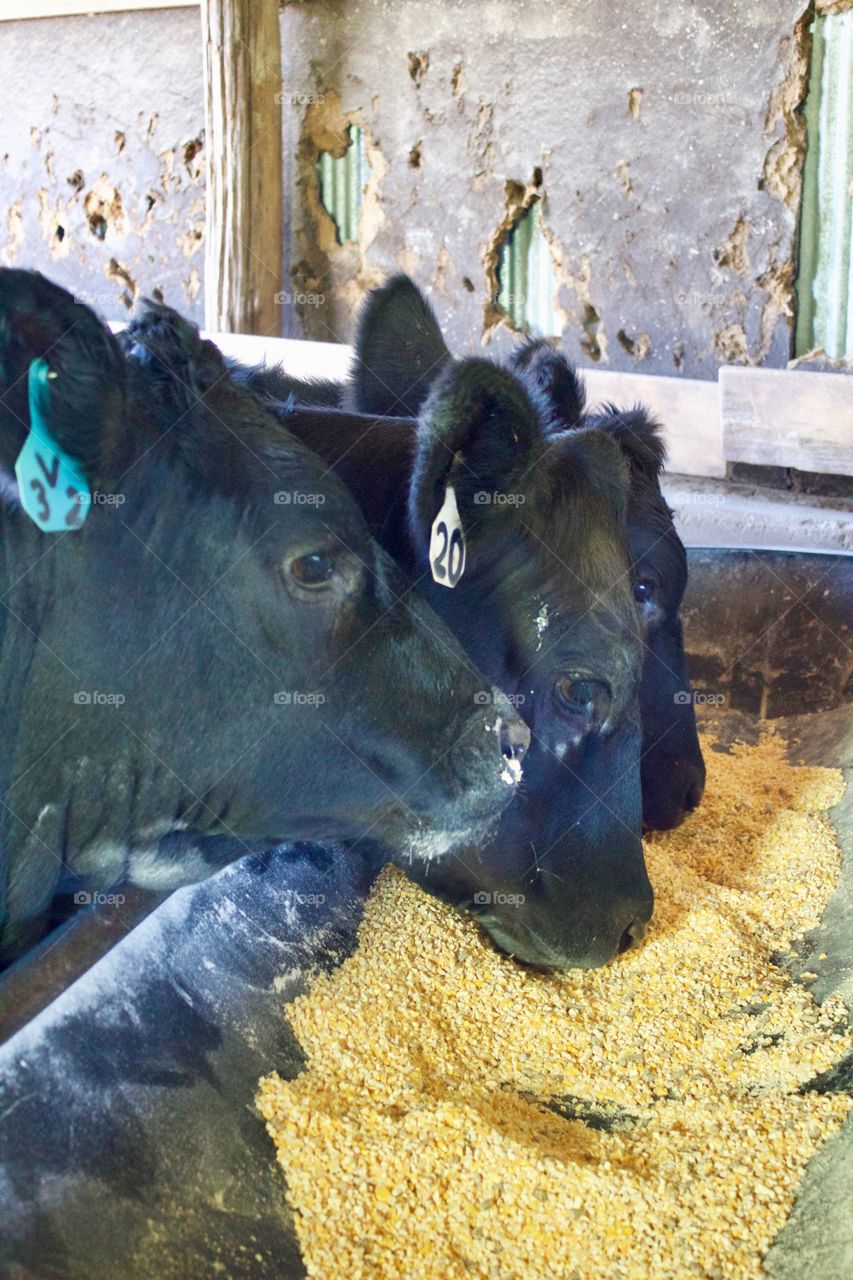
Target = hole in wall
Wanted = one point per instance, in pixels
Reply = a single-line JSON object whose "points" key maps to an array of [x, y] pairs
{"points": [[526, 279], [342, 182], [418, 66], [591, 324]]}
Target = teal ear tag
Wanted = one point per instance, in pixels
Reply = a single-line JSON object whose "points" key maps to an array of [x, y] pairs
{"points": [[52, 486]]}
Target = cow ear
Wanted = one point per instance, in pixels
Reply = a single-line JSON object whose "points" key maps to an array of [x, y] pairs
{"points": [[59, 362], [399, 351], [481, 431], [550, 371], [181, 364], [639, 436]]}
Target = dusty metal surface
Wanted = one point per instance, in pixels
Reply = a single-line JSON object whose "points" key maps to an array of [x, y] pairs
{"points": [[825, 295], [102, 155], [128, 1142], [717, 513]]}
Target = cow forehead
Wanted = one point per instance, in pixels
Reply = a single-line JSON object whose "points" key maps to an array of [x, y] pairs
{"points": [[267, 479], [574, 568]]}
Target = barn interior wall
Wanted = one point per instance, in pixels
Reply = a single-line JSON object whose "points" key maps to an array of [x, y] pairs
{"points": [[667, 140], [102, 155]]}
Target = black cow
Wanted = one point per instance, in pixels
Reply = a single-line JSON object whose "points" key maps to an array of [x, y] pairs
{"points": [[544, 607], [673, 770], [206, 655], [400, 352]]}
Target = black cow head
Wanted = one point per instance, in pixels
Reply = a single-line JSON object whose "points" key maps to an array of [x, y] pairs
{"points": [[219, 648], [673, 771], [544, 608], [400, 352]]}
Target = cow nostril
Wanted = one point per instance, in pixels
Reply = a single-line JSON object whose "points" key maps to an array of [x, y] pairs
{"points": [[693, 796], [635, 932], [515, 739]]}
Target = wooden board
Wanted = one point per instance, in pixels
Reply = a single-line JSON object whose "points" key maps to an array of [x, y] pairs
{"points": [[244, 226], [321, 360], [687, 409], [783, 418]]}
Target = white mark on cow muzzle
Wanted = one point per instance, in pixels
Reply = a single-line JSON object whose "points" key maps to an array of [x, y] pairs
{"points": [[542, 623], [511, 772]]}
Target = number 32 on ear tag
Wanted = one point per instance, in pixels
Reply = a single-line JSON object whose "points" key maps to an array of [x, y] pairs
{"points": [[52, 486], [447, 542]]}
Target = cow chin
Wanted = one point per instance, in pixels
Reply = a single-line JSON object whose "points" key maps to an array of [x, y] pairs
{"points": [[526, 945], [427, 844]]}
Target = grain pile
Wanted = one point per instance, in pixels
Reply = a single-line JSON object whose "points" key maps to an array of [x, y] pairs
{"points": [[463, 1117]]}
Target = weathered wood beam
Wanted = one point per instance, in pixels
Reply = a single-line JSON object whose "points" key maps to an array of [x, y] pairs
{"points": [[244, 218]]}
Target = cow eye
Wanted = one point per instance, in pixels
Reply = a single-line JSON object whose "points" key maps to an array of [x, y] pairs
{"points": [[313, 571], [584, 698]]}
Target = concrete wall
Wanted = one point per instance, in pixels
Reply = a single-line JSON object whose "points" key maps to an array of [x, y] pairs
{"points": [[663, 138], [101, 155]]}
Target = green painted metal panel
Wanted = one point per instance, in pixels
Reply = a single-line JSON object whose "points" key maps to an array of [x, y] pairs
{"points": [[342, 184], [526, 279], [825, 280]]}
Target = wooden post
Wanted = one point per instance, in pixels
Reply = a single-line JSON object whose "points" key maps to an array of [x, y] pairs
{"points": [[243, 221]]}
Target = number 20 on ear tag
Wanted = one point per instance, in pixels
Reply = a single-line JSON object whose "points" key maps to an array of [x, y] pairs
{"points": [[447, 542], [52, 486]]}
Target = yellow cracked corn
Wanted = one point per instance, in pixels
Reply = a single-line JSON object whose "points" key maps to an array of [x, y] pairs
{"points": [[460, 1116]]}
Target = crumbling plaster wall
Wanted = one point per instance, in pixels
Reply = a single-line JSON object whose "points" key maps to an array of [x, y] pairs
{"points": [[668, 139], [101, 155], [666, 134]]}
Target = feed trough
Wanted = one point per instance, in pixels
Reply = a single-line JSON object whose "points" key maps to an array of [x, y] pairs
{"points": [[129, 1140]]}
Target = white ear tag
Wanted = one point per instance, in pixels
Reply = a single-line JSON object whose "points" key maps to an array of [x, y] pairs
{"points": [[447, 542]]}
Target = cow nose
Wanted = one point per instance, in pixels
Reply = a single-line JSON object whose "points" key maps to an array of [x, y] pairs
{"points": [[515, 739], [635, 932], [693, 796]]}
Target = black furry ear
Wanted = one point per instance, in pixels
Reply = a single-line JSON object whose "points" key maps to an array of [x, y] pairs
{"points": [[638, 433], [481, 429], [175, 357], [560, 382], [40, 320], [399, 351]]}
